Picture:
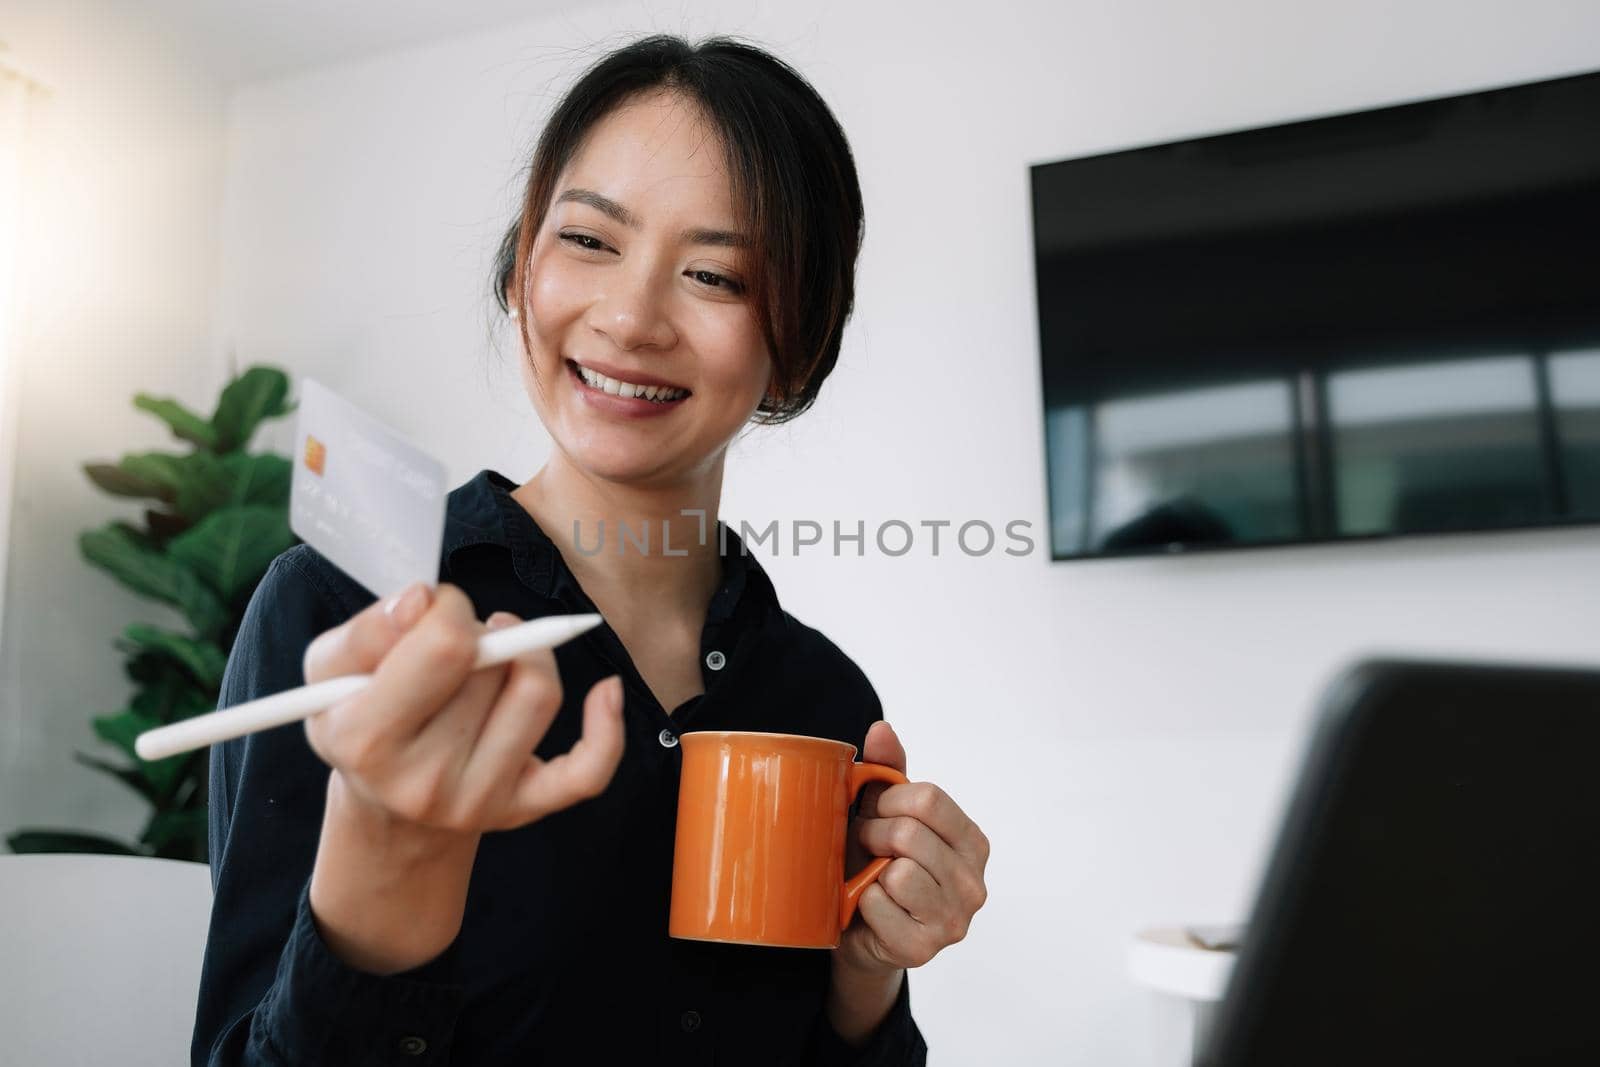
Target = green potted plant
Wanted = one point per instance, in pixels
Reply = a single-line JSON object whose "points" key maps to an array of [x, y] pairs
{"points": [[218, 517]]}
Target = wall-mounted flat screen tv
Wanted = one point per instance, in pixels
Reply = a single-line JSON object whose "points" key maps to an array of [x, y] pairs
{"points": [[1357, 326]]}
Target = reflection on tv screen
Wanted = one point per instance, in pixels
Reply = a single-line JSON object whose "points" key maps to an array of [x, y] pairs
{"points": [[1366, 325]]}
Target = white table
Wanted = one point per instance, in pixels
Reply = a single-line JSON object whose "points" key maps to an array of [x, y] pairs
{"points": [[1188, 981], [100, 958]]}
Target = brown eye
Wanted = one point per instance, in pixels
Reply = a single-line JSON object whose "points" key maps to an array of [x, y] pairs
{"points": [[718, 282], [579, 239]]}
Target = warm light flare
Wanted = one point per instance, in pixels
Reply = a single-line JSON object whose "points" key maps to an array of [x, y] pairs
{"points": [[16, 98]]}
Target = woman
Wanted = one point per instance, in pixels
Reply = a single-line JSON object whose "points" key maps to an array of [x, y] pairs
{"points": [[683, 264]]}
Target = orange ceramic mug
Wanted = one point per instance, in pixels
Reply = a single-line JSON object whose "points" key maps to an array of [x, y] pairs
{"points": [[759, 858]]}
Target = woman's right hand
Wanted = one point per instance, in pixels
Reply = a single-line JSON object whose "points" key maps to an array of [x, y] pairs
{"points": [[436, 744], [425, 759]]}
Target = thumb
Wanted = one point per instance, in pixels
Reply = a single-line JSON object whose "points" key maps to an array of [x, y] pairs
{"points": [[881, 746], [359, 644], [584, 770]]}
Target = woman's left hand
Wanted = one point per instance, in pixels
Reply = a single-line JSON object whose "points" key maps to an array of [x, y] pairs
{"points": [[926, 897]]}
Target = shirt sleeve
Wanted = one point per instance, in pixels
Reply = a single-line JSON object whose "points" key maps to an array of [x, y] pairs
{"points": [[271, 991], [896, 1043]]}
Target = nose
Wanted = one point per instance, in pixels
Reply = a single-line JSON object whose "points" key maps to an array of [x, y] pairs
{"points": [[630, 309]]}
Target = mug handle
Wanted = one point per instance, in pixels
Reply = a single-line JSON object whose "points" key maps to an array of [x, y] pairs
{"points": [[860, 775]]}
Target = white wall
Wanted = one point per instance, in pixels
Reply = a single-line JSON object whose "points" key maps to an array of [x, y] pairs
{"points": [[118, 276], [1123, 730]]}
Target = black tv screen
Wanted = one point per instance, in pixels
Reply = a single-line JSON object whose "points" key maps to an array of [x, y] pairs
{"points": [[1364, 325]]}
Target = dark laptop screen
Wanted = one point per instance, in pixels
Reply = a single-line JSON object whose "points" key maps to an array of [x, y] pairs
{"points": [[1434, 894]]}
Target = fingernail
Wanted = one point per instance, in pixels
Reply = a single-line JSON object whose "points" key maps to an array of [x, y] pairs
{"points": [[406, 608], [501, 619], [616, 692]]}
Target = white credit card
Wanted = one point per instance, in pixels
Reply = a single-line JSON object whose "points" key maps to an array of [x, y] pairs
{"points": [[363, 496]]}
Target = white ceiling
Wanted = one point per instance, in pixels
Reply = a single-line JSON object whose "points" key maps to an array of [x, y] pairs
{"points": [[243, 40]]}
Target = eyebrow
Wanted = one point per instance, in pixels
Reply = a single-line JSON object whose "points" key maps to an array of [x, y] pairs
{"points": [[608, 206]]}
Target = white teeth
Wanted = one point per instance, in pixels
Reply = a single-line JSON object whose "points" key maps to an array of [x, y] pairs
{"points": [[659, 393]]}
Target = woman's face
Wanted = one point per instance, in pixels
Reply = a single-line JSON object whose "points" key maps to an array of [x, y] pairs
{"points": [[635, 285]]}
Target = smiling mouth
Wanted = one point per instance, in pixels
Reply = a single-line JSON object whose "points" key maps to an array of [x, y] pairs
{"points": [[656, 394]]}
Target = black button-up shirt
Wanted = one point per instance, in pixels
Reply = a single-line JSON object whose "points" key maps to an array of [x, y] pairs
{"points": [[563, 956]]}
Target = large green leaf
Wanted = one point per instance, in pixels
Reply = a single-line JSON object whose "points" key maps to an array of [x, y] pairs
{"points": [[167, 827], [122, 729], [263, 478], [259, 393], [161, 469], [146, 571], [150, 669], [172, 698], [201, 482], [115, 480], [202, 659], [211, 482], [136, 535], [33, 841], [164, 526], [231, 548], [185, 423], [205, 486]]}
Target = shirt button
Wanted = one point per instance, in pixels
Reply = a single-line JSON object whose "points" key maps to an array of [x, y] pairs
{"points": [[715, 660], [667, 738], [690, 1021], [413, 1046]]}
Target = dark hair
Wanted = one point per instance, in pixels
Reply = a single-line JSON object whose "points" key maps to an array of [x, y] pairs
{"points": [[793, 183]]}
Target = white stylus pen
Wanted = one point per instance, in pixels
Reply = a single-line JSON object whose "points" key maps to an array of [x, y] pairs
{"points": [[293, 705]]}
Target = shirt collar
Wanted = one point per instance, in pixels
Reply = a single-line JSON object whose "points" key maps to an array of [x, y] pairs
{"points": [[482, 511]]}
